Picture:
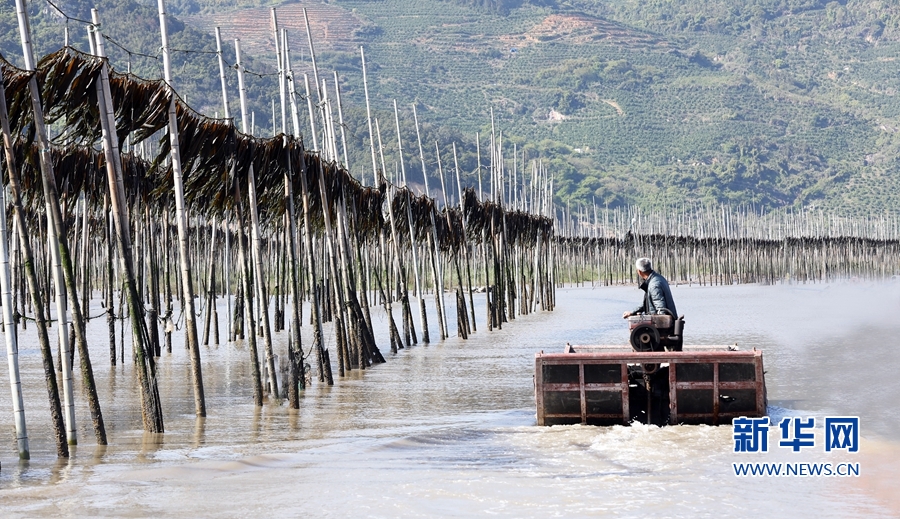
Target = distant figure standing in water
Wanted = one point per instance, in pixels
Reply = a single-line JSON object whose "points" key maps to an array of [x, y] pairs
{"points": [[657, 296]]}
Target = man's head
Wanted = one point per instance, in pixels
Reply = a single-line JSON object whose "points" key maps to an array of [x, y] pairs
{"points": [[644, 267]]}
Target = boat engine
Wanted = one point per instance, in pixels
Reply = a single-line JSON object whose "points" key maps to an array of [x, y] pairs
{"points": [[656, 332]]}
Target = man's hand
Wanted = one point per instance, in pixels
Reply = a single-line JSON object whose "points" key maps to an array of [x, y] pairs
{"points": [[626, 315]]}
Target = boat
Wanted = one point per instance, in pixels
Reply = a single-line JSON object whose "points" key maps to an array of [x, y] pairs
{"points": [[614, 384]]}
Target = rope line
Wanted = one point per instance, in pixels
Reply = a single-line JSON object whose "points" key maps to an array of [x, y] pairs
{"points": [[150, 56], [67, 17]]}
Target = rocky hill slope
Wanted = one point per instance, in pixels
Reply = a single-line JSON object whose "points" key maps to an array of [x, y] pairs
{"points": [[663, 102]]}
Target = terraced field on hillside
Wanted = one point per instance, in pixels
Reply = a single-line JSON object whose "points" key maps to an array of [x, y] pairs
{"points": [[332, 27]]}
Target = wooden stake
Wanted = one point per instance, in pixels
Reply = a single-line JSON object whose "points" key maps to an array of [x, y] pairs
{"points": [[187, 286], [9, 325]]}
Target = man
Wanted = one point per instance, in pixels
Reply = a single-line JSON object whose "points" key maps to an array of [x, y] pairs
{"points": [[658, 297]]}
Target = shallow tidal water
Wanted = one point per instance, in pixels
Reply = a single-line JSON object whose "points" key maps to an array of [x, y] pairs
{"points": [[448, 429]]}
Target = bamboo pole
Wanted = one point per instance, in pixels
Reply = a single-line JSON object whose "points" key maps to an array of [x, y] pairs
{"points": [[150, 404], [37, 303], [396, 341], [9, 325], [462, 322], [434, 251], [295, 352], [282, 79], [167, 274], [341, 317], [211, 283], [312, 116], [256, 247], [465, 223], [247, 306], [337, 93], [312, 54], [110, 280], [85, 261], [337, 308], [412, 231], [226, 220], [409, 331], [362, 55], [181, 222], [322, 357], [56, 238], [153, 312]]}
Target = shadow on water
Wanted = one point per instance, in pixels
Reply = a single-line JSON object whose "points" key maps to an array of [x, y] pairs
{"points": [[151, 443]]}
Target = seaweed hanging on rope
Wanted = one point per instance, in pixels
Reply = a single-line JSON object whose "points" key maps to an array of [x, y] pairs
{"points": [[18, 99], [69, 95], [82, 170], [211, 149]]}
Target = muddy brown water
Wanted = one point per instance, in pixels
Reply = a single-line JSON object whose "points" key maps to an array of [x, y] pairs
{"points": [[448, 429]]}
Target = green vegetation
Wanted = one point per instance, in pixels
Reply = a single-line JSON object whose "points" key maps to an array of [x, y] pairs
{"points": [[653, 102]]}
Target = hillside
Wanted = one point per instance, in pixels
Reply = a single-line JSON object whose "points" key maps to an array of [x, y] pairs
{"points": [[771, 102]]}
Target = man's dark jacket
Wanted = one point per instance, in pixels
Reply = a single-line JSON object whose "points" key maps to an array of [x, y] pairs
{"points": [[657, 295]]}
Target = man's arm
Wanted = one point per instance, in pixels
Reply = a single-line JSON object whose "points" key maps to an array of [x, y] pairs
{"points": [[636, 311]]}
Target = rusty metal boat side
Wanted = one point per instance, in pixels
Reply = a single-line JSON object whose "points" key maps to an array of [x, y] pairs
{"points": [[606, 385]]}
